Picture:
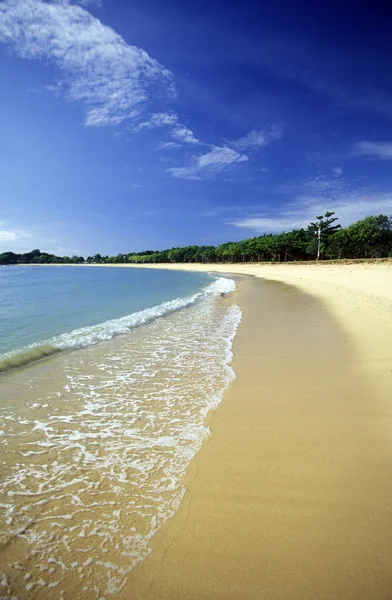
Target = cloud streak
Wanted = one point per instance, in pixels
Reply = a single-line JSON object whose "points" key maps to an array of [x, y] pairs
{"points": [[12, 235], [113, 80], [349, 208], [381, 150], [87, 2], [255, 140], [158, 120], [97, 67], [180, 133], [184, 135], [222, 158], [214, 162]]}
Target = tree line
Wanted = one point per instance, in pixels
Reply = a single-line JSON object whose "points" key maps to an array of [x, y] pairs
{"points": [[323, 239], [37, 257]]}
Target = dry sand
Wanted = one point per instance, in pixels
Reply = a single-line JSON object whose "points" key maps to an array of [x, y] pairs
{"points": [[291, 497]]}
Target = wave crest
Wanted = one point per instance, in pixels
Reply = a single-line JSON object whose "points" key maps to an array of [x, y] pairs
{"points": [[87, 336]]}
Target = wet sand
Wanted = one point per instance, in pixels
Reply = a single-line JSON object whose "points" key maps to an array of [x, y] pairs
{"points": [[291, 496], [94, 446]]}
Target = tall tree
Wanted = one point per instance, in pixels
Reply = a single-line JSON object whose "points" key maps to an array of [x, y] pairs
{"points": [[323, 228]]}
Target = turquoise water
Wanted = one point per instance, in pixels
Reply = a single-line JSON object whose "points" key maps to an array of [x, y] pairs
{"points": [[78, 306], [95, 443]]}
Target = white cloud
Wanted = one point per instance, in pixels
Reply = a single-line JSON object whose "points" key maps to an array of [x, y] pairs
{"points": [[167, 145], [219, 159], [254, 140], [381, 150], [12, 235], [96, 66], [87, 2], [112, 79], [180, 133], [158, 120], [318, 186], [338, 172], [348, 209], [220, 156], [184, 135], [271, 224], [220, 210]]}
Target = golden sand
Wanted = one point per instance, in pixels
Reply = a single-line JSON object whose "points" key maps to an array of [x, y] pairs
{"points": [[291, 497]]}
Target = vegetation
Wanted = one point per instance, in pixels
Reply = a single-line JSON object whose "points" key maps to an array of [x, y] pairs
{"points": [[323, 228], [323, 239], [37, 257]]}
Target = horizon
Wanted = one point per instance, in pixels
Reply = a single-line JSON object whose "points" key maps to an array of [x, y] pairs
{"points": [[308, 231], [159, 125]]}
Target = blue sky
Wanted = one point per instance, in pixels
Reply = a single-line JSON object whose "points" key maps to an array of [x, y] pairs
{"points": [[146, 124]]}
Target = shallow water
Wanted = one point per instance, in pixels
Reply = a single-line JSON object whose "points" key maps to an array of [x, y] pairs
{"points": [[73, 307], [95, 444]]}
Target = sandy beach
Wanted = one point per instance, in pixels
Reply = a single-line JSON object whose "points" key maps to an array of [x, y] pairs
{"points": [[291, 495]]}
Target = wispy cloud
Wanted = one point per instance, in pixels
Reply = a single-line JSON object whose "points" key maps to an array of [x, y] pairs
{"points": [[272, 224], [184, 135], [318, 186], [158, 120], [221, 210], [212, 163], [180, 133], [97, 67], [381, 150], [12, 235], [223, 158], [254, 140], [167, 145], [112, 79], [87, 3], [349, 207]]}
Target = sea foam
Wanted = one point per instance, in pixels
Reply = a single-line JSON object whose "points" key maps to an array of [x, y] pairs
{"points": [[103, 445], [87, 336]]}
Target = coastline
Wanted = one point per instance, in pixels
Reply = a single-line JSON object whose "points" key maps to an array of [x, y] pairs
{"points": [[289, 497], [358, 295], [95, 444]]}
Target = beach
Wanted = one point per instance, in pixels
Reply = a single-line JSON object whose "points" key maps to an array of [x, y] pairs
{"points": [[290, 497], [240, 447], [95, 440]]}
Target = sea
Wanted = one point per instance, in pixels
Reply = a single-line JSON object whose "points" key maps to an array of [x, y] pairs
{"points": [[97, 435]]}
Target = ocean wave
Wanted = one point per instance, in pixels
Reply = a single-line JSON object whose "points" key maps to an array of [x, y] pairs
{"points": [[87, 336], [23, 359], [101, 446]]}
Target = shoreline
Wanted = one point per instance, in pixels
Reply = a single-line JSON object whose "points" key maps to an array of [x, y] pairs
{"points": [[289, 497], [358, 295], [96, 443]]}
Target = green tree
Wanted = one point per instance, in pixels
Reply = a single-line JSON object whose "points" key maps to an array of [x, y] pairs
{"points": [[322, 229], [9, 258], [369, 238]]}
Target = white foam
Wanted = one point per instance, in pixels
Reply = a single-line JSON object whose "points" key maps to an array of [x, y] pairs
{"points": [[120, 441], [87, 336]]}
